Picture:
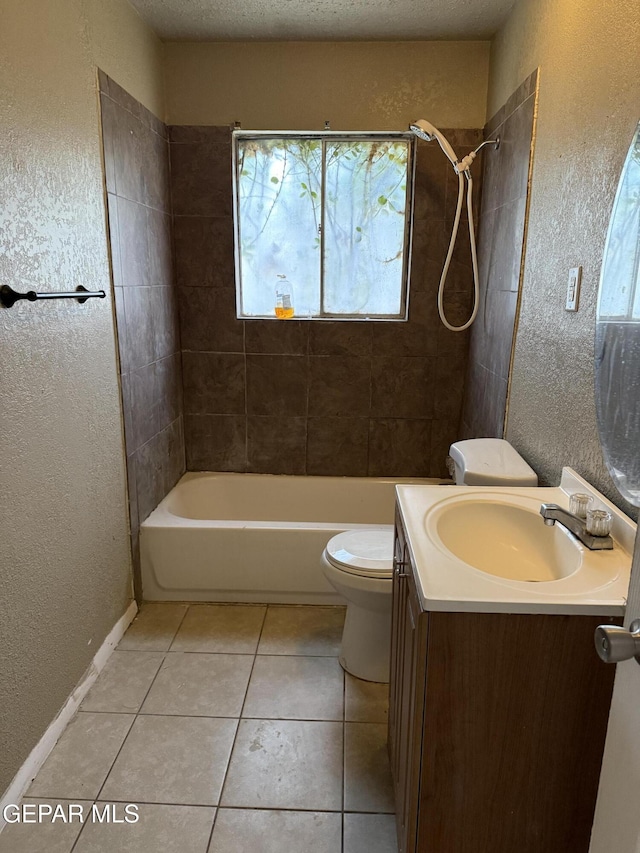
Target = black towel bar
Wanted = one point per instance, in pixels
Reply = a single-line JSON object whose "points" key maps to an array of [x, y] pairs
{"points": [[9, 297]]}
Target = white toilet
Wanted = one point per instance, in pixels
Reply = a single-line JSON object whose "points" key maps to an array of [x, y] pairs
{"points": [[358, 563]]}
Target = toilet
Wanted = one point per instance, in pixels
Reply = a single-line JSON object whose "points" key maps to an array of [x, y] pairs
{"points": [[358, 563]]}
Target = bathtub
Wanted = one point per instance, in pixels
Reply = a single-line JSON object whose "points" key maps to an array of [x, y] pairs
{"points": [[255, 537]]}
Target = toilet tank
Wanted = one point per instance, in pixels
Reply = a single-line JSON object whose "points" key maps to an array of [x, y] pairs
{"points": [[490, 462]]}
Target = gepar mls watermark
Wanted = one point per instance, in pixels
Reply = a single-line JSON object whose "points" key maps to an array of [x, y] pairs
{"points": [[71, 813]]}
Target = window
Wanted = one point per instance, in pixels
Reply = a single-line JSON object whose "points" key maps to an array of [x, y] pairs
{"points": [[323, 220]]}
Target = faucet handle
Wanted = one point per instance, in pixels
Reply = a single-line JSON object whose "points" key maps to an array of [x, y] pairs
{"points": [[579, 504], [599, 522]]}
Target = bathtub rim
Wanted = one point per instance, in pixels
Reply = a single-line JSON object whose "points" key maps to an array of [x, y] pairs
{"points": [[162, 516]]}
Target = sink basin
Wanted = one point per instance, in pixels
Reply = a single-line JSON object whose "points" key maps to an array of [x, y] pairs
{"points": [[507, 540], [486, 549]]}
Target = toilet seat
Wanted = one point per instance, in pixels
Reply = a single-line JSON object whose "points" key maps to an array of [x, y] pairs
{"points": [[367, 552]]}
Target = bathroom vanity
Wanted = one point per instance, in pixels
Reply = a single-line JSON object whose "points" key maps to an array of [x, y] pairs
{"points": [[498, 709]]}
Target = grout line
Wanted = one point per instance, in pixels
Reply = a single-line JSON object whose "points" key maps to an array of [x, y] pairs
{"points": [[84, 823], [137, 713], [231, 717], [210, 806], [344, 748], [239, 718]]}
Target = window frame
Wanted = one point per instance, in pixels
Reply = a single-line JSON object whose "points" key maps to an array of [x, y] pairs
{"points": [[324, 136]]}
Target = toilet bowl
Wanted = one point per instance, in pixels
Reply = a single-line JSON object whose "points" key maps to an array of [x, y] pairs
{"points": [[359, 565]]}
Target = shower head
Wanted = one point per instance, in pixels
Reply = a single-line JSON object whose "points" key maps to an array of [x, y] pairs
{"points": [[425, 130]]}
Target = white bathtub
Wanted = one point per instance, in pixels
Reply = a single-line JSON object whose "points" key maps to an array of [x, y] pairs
{"points": [[255, 537]]}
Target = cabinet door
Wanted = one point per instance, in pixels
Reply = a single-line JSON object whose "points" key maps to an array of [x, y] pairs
{"points": [[406, 713], [397, 649]]}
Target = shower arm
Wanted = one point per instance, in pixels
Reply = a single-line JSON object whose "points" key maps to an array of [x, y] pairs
{"points": [[465, 164]]}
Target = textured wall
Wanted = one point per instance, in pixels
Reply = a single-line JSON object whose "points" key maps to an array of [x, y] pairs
{"points": [[126, 49], [500, 251], [136, 156], [355, 85], [314, 397], [588, 108], [64, 557]]}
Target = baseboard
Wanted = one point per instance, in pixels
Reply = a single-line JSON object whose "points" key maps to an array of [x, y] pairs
{"points": [[41, 750]]}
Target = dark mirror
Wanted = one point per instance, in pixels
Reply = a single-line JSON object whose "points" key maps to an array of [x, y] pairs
{"points": [[617, 348]]}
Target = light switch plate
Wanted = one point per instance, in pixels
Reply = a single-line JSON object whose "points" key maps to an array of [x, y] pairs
{"points": [[573, 289]]}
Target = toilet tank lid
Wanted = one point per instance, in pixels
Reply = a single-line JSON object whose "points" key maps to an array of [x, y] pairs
{"points": [[368, 549], [491, 461]]}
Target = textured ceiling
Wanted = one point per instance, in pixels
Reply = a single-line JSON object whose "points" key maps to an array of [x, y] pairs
{"points": [[323, 20]]}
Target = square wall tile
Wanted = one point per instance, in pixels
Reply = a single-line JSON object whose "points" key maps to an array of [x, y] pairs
{"points": [[277, 385], [80, 761], [340, 338], [415, 337], [140, 332], [504, 254], [215, 442], [287, 337], [130, 153], [281, 764], [204, 251], [443, 434], [160, 242], [295, 688], [124, 682], [402, 387], [231, 628], [450, 376], [190, 134], [430, 181], [338, 446], [253, 830], [155, 399], [339, 385], [178, 760], [302, 631], [399, 448], [276, 445], [208, 320], [201, 179], [154, 627], [199, 685], [159, 466], [133, 243], [160, 829], [214, 383], [109, 119]]}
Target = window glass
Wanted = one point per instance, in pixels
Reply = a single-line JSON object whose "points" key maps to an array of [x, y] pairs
{"points": [[325, 219]]}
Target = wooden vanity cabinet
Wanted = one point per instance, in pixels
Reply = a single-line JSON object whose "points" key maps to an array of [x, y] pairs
{"points": [[497, 724]]}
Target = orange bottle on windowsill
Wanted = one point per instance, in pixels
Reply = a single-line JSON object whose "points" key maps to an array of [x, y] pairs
{"points": [[284, 299]]}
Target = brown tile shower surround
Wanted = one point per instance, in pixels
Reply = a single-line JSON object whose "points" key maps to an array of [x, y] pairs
{"points": [[500, 251], [136, 161], [301, 397]]}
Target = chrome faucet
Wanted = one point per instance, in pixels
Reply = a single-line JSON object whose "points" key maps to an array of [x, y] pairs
{"points": [[578, 526]]}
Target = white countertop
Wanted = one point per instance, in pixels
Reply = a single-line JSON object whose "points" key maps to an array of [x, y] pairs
{"points": [[445, 583]]}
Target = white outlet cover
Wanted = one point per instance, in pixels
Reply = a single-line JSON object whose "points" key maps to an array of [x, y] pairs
{"points": [[573, 289]]}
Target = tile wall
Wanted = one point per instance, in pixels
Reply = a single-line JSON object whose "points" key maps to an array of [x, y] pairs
{"points": [[501, 241], [136, 161], [301, 397]]}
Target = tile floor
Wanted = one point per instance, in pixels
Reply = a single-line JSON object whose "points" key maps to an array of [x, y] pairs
{"points": [[234, 730]]}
